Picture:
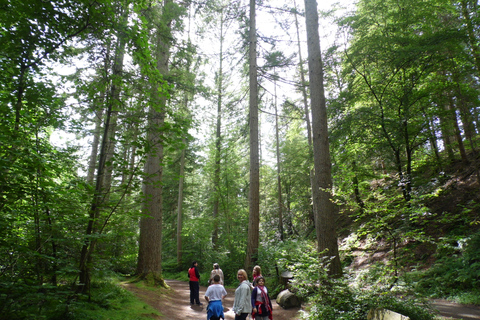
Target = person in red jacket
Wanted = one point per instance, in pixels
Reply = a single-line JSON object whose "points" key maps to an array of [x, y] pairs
{"points": [[194, 277]]}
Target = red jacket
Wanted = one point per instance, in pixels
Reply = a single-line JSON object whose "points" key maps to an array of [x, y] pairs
{"points": [[193, 274]]}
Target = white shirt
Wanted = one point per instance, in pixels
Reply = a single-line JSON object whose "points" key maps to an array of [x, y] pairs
{"points": [[215, 292]]}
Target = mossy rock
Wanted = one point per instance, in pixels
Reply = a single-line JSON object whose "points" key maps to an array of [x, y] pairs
{"points": [[287, 299]]}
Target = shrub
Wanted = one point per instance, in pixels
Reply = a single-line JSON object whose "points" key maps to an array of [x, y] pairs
{"points": [[456, 271]]}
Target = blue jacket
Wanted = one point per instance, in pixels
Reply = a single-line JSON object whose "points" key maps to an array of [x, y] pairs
{"points": [[215, 308]]}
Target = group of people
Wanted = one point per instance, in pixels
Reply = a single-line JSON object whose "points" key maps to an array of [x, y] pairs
{"points": [[250, 298]]}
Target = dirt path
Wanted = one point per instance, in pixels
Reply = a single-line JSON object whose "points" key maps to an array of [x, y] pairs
{"points": [[456, 311], [175, 304]]}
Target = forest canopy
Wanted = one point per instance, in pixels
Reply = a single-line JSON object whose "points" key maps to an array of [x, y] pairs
{"points": [[138, 136]]}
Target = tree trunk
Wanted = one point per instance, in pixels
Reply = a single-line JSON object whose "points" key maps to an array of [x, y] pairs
{"points": [[94, 213], [179, 207], [466, 117], [303, 87], [446, 134], [94, 224], [92, 162], [218, 139], [149, 265], [432, 138], [182, 165], [279, 181], [456, 130], [130, 157], [254, 191], [325, 222], [407, 179]]}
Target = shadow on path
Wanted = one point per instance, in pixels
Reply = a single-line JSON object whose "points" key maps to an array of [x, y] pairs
{"points": [[182, 293], [456, 311], [174, 304]]}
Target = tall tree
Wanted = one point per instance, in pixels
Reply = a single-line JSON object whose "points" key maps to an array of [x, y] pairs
{"points": [[104, 170], [303, 89], [279, 181], [218, 135], [149, 265], [187, 96], [254, 188], [325, 222]]}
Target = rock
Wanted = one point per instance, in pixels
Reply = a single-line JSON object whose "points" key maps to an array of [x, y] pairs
{"points": [[285, 278], [385, 314], [287, 299]]}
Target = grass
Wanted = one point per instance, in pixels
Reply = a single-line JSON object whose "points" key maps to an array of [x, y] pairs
{"points": [[131, 308], [110, 301]]}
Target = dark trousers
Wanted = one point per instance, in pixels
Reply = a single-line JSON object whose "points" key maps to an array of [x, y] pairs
{"points": [[194, 292], [242, 316]]}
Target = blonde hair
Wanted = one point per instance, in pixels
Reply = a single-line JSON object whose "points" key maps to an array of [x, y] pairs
{"points": [[244, 273]]}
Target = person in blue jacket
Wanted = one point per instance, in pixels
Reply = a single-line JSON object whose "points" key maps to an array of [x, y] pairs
{"points": [[214, 295]]}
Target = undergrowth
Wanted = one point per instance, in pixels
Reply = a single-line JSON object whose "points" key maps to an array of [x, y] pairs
{"points": [[456, 273], [108, 300], [346, 297]]}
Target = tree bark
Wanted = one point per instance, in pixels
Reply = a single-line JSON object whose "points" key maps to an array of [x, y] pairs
{"points": [[303, 88], [456, 130], [179, 207], [92, 162], [149, 265], [254, 190], [279, 180], [432, 138], [94, 225], [218, 139], [325, 222], [446, 130]]}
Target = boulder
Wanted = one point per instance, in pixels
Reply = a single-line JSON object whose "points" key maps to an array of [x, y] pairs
{"points": [[287, 299], [385, 314]]}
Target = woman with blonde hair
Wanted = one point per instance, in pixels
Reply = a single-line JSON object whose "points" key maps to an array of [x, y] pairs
{"points": [[242, 304]]}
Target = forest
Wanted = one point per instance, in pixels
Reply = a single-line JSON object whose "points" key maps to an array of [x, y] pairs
{"points": [[337, 141]]}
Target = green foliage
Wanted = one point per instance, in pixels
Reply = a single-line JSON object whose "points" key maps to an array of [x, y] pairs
{"points": [[109, 301], [456, 272], [471, 297], [336, 298], [404, 66], [338, 301]]}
